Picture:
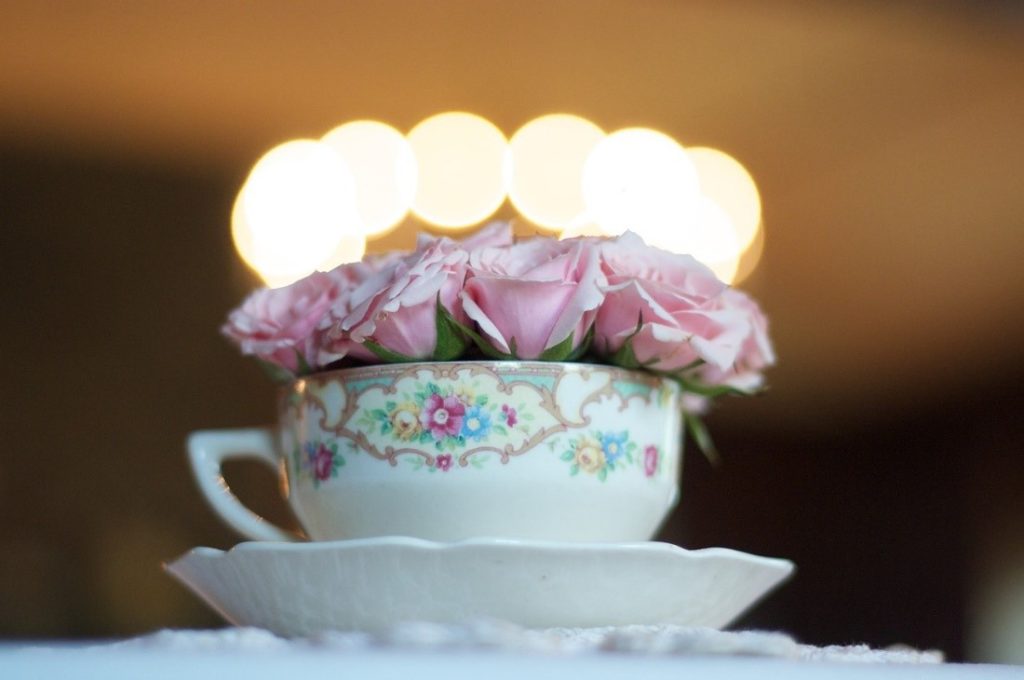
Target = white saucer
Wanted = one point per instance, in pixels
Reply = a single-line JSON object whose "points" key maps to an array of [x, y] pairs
{"points": [[299, 589]]}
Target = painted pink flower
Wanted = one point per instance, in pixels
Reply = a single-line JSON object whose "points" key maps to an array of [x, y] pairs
{"points": [[668, 307], [510, 415], [443, 462], [531, 296], [650, 460], [323, 463], [280, 325], [442, 416]]}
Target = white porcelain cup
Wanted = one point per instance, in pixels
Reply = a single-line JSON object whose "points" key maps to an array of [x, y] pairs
{"points": [[450, 451]]}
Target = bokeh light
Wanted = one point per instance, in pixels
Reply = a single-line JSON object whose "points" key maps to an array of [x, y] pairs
{"points": [[750, 258], [351, 248], [546, 168], [706, 232], [383, 168], [583, 228], [724, 180], [561, 172], [639, 179], [461, 160], [296, 206]]}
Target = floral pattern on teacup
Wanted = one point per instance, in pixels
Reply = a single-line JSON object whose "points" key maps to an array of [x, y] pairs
{"points": [[446, 416], [652, 461], [318, 461], [598, 453]]}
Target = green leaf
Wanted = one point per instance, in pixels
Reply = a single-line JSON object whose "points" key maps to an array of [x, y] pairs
{"points": [[277, 374], [699, 433], [574, 470], [481, 400], [385, 354], [379, 414], [603, 474], [559, 352], [625, 356], [390, 406], [696, 387], [302, 364], [451, 339], [567, 456], [481, 343], [564, 351], [500, 429]]}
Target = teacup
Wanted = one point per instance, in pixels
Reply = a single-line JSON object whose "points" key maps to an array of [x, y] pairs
{"points": [[450, 451]]}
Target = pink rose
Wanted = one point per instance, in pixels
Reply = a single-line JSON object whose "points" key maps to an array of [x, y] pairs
{"points": [[667, 307], [530, 297], [628, 257], [357, 282], [396, 308], [279, 325], [494, 235], [442, 416], [756, 351]]}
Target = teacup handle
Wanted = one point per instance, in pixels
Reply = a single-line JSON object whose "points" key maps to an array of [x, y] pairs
{"points": [[207, 450]]}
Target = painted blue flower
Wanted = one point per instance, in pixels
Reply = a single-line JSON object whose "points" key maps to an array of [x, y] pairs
{"points": [[476, 424], [614, 445]]}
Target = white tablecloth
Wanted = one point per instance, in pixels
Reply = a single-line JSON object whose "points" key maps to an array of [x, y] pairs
{"points": [[485, 649], [17, 663]]}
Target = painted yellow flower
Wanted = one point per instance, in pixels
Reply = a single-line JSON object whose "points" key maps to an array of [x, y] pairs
{"points": [[465, 393], [589, 455], [405, 419]]}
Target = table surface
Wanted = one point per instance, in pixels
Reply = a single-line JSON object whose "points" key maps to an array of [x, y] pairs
{"points": [[49, 660]]}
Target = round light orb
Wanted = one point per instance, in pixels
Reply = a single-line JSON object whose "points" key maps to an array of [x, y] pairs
{"points": [[750, 258], [723, 179], [384, 170], [582, 228], [706, 233], [460, 159], [546, 168], [638, 179], [293, 210], [351, 248]]}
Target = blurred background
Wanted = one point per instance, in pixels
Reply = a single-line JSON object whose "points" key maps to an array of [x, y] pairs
{"points": [[885, 141]]}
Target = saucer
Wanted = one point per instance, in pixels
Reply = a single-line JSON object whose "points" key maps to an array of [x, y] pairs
{"points": [[300, 589]]}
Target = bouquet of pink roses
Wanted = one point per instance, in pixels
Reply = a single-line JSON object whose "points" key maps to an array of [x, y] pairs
{"points": [[607, 300]]}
